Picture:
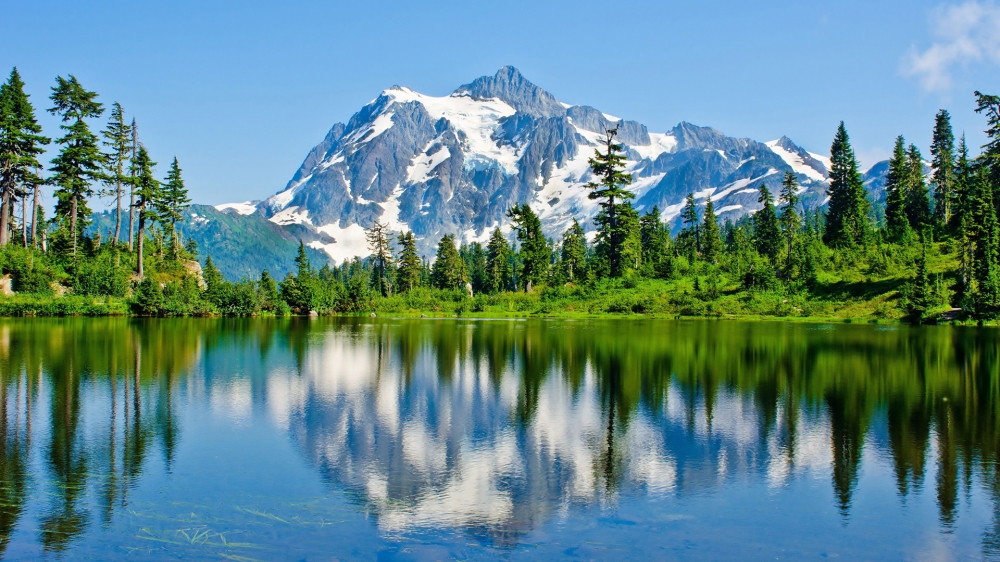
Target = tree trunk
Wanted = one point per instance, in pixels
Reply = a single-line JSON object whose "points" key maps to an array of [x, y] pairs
{"points": [[142, 228], [4, 217], [118, 215], [24, 219], [34, 218], [72, 223], [131, 216]]}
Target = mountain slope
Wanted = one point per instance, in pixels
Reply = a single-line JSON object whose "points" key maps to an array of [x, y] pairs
{"points": [[456, 163]]}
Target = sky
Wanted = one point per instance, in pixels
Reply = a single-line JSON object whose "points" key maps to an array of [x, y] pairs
{"points": [[240, 92]]}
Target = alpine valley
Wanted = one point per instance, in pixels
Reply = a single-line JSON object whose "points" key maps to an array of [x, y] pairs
{"points": [[455, 164]]}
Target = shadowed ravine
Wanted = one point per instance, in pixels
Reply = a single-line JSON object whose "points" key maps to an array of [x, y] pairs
{"points": [[417, 439]]}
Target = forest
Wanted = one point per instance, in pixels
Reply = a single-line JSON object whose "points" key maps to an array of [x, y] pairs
{"points": [[928, 252]]}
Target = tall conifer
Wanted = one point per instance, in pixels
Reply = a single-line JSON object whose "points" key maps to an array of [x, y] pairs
{"points": [[766, 231], [789, 220], [147, 193], [20, 145], [499, 276], [80, 162], [897, 223], [574, 253], [917, 203], [847, 221], [535, 253], [118, 139], [711, 242], [943, 162], [408, 271], [173, 203], [613, 235]]}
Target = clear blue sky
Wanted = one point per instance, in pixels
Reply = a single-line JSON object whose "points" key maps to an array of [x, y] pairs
{"points": [[240, 91]]}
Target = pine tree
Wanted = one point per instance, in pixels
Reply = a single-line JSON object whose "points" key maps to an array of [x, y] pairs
{"points": [[378, 243], [118, 139], [689, 239], [655, 240], [612, 235], [847, 221], [80, 162], [943, 162], [986, 296], [474, 257], [897, 222], [917, 203], [990, 157], [962, 217], [408, 271], [448, 271], [535, 252], [131, 182], [766, 231], [919, 299], [498, 270], [173, 203], [20, 145], [789, 219], [711, 242], [574, 253], [148, 193]]}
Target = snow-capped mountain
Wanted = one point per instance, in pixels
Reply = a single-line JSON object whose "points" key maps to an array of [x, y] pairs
{"points": [[455, 164]]}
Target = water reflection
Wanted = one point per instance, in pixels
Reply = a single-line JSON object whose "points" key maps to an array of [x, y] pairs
{"points": [[497, 428]]}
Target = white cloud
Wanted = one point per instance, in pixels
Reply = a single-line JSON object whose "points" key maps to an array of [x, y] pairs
{"points": [[964, 33]]}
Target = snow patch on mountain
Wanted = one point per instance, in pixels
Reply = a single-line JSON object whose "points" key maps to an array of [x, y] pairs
{"points": [[795, 161], [244, 208]]}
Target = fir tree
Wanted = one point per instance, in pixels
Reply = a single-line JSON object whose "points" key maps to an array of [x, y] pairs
{"points": [[80, 162], [789, 219], [897, 222], [535, 253], [990, 106], [766, 231], [711, 242], [474, 257], [118, 139], [943, 162], [148, 193], [448, 271], [378, 244], [131, 182], [574, 253], [963, 218], [986, 297], [498, 270], [173, 203], [689, 239], [655, 240], [408, 271], [917, 203], [919, 298], [847, 222], [612, 235], [20, 145]]}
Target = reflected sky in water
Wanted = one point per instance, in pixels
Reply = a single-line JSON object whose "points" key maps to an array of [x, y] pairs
{"points": [[303, 439]]}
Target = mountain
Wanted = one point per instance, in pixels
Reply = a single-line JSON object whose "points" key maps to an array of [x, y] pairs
{"points": [[456, 163], [240, 243]]}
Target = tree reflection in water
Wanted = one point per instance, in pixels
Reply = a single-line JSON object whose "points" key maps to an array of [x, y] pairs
{"points": [[497, 427]]}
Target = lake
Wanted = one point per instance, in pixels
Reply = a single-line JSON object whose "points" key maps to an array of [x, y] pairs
{"points": [[351, 438]]}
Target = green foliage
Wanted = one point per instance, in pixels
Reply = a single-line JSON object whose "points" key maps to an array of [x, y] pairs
{"points": [[449, 268], [408, 270], [535, 253], [766, 231], [847, 220], [499, 273], [617, 241]]}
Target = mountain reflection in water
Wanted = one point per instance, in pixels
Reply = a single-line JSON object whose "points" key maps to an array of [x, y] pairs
{"points": [[496, 430]]}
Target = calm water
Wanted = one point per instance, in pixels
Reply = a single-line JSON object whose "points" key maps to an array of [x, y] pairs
{"points": [[418, 440]]}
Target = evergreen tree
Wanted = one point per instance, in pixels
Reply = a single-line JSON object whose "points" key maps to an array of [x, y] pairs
{"points": [[847, 222], [612, 235], [172, 205], [378, 243], [655, 240], [118, 139], [943, 162], [574, 253], [897, 222], [448, 271], [80, 162], [148, 193], [474, 257], [917, 204], [919, 299], [711, 242], [215, 283], [963, 218], [990, 157], [131, 182], [535, 252], [986, 297], [408, 271], [789, 220], [20, 145], [766, 231], [498, 257], [689, 239]]}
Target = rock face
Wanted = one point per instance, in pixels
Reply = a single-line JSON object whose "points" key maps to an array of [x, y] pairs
{"points": [[455, 164]]}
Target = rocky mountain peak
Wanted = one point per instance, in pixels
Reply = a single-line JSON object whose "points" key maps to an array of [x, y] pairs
{"points": [[510, 86]]}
